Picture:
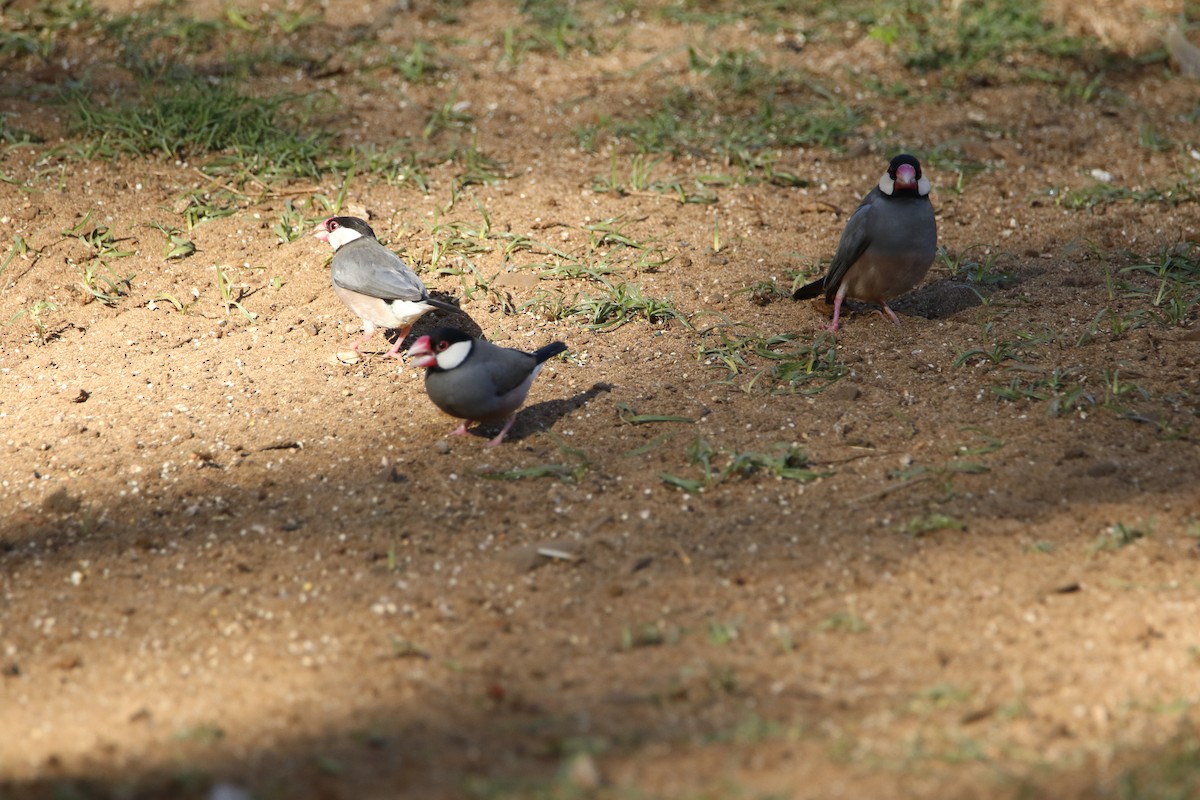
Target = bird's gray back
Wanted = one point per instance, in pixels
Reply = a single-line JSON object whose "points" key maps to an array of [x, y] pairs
{"points": [[367, 267]]}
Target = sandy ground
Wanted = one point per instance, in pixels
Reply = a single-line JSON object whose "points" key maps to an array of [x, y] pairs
{"points": [[234, 564]]}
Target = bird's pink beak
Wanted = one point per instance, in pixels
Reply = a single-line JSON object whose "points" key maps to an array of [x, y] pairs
{"points": [[420, 353], [322, 231], [906, 177]]}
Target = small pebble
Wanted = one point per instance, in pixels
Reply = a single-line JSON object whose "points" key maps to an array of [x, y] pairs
{"points": [[227, 791]]}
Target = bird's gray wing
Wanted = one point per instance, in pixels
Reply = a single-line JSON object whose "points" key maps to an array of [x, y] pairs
{"points": [[854, 242], [506, 368], [369, 268]]}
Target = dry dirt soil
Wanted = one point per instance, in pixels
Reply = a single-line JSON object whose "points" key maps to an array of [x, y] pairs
{"points": [[954, 558]]}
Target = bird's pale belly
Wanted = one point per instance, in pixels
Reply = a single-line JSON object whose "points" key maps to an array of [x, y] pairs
{"points": [[876, 279], [381, 313]]}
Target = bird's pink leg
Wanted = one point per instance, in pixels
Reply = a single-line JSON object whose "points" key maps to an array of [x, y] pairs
{"points": [[461, 430], [891, 314], [395, 351], [366, 337], [837, 307], [500, 436]]}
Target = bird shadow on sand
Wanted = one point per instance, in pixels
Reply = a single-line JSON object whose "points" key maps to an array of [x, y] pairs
{"points": [[944, 298], [438, 319], [542, 416], [939, 299]]}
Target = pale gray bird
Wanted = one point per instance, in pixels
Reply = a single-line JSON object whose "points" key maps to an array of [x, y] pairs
{"points": [[475, 380], [887, 246], [374, 282]]}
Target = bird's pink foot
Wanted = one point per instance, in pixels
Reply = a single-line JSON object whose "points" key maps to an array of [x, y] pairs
{"points": [[503, 431], [360, 341], [891, 314], [461, 430]]}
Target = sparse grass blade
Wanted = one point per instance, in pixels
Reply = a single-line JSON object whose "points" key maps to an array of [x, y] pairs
{"points": [[35, 311], [231, 294], [689, 485], [563, 472], [477, 167], [19, 248], [792, 363], [844, 622], [929, 523], [198, 206], [559, 471], [105, 285], [630, 417], [1173, 285], [169, 298], [1120, 535], [717, 465], [177, 245]]}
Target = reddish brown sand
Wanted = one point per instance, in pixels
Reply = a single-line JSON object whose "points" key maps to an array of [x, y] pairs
{"points": [[231, 560]]}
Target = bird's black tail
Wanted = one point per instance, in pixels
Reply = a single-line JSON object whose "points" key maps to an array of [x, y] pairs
{"points": [[809, 289], [442, 304], [549, 351]]}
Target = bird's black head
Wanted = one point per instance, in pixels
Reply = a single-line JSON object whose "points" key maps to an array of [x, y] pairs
{"points": [[902, 160], [353, 223], [904, 177], [442, 338], [441, 349]]}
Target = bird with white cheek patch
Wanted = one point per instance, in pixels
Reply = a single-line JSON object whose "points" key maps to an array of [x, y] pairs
{"points": [[887, 246], [374, 282], [475, 380]]}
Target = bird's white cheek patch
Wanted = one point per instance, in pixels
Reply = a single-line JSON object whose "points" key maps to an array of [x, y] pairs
{"points": [[923, 186], [887, 185], [454, 355], [343, 235]]}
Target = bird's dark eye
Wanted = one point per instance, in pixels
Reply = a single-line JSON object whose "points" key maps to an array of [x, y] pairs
{"points": [[333, 226], [442, 345]]}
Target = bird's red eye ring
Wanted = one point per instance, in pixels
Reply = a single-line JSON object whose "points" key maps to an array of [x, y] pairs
{"points": [[442, 345], [333, 226]]}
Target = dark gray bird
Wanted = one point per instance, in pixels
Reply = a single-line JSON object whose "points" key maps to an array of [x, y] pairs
{"points": [[374, 282], [475, 380], [887, 246]]}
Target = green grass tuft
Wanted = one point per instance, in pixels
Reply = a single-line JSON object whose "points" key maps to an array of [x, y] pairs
{"points": [[686, 122], [198, 119], [792, 363], [965, 40], [781, 461]]}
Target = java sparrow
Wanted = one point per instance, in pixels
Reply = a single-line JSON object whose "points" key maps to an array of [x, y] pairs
{"points": [[374, 282], [887, 246], [475, 380]]}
